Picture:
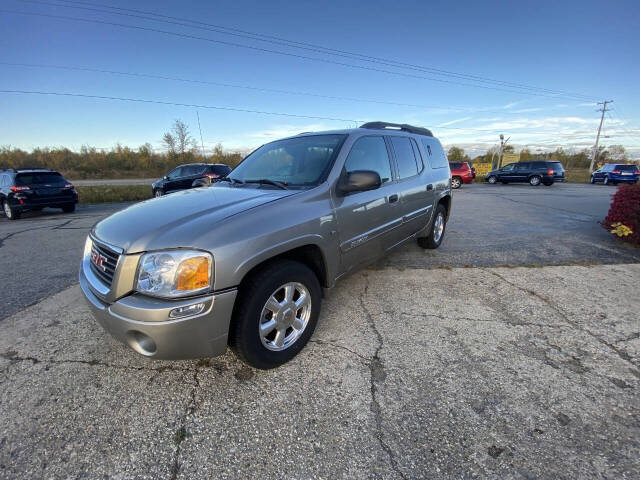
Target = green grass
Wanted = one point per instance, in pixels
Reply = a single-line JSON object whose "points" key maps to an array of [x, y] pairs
{"points": [[113, 193]]}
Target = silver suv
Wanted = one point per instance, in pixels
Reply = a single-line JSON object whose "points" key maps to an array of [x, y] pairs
{"points": [[246, 261]]}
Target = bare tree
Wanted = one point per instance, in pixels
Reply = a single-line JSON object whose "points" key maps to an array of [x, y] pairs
{"points": [[170, 142], [179, 140]]}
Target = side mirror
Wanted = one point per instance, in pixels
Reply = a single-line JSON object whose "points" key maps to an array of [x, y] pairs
{"points": [[359, 181]]}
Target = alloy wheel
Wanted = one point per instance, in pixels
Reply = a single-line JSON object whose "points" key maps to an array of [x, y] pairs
{"points": [[438, 228], [285, 316]]}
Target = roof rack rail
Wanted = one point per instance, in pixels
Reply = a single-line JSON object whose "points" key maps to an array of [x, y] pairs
{"points": [[33, 168], [397, 126]]}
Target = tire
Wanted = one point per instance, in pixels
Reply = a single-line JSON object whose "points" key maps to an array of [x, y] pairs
{"points": [[606, 180], [262, 351], [435, 238], [10, 213], [492, 180], [547, 183], [535, 180], [157, 192], [592, 180], [456, 182], [69, 208]]}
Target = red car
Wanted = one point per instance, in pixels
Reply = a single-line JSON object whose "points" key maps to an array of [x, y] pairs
{"points": [[461, 172]]}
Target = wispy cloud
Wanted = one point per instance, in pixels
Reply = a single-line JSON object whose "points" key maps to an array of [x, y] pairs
{"points": [[453, 122]]}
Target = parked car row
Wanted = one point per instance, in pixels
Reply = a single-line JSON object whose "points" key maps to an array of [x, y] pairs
{"points": [[27, 189]]}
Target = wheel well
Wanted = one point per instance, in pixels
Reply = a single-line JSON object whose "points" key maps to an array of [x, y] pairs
{"points": [[309, 255], [446, 201]]}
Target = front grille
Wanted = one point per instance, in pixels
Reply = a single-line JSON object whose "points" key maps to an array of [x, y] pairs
{"points": [[107, 259]]}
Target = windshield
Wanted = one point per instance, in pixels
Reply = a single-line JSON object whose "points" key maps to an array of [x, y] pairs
{"points": [[300, 161]]}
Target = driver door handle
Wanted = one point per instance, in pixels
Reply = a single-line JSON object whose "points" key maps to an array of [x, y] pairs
{"points": [[393, 198]]}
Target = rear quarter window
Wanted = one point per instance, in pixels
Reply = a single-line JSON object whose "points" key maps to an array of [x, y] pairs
{"points": [[220, 169], [435, 153]]}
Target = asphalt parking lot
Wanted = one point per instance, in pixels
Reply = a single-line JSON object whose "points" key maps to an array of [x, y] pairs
{"points": [[513, 351]]}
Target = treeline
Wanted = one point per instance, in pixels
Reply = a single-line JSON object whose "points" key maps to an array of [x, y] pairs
{"points": [[119, 162], [570, 160]]}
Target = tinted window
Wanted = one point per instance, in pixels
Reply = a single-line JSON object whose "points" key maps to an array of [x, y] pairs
{"points": [[190, 170], [221, 170], [626, 168], [508, 168], [175, 173], [455, 165], [418, 155], [407, 166], [5, 180], [520, 167], [40, 178], [369, 153], [435, 154]]}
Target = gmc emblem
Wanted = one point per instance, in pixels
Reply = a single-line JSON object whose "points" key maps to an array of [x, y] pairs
{"points": [[99, 260]]}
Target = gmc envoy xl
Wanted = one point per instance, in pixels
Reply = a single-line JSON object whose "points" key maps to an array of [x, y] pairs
{"points": [[245, 262]]}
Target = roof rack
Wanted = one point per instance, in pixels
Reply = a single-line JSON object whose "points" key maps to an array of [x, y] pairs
{"points": [[397, 126]]}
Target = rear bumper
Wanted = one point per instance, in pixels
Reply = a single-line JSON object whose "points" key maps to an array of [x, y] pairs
{"points": [[24, 202], [623, 178], [143, 323]]}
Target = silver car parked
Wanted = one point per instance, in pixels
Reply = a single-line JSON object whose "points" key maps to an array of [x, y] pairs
{"points": [[246, 261]]}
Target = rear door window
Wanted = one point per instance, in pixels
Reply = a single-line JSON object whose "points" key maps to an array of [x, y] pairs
{"points": [[405, 158], [370, 153], [521, 167]]}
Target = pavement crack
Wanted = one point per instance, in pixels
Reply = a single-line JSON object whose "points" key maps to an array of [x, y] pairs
{"points": [[565, 316], [378, 374], [341, 347], [182, 433]]}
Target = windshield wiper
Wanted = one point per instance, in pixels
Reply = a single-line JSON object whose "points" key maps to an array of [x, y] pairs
{"points": [[229, 179], [268, 182]]}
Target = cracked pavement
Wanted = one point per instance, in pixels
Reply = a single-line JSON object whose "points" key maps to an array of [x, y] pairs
{"points": [[417, 369], [519, 372]]}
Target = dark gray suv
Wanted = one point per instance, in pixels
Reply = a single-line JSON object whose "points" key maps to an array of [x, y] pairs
{"points": [[245, 261]]}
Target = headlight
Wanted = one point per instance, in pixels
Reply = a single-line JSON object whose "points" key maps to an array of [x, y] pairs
{"points": [[87, 247], [175, 273]]}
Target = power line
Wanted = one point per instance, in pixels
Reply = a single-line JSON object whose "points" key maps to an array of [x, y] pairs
{"points": [[266, 50], [300, 45], [192, 105], [253, 88]]}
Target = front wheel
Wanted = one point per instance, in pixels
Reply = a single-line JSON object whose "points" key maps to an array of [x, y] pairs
{"points": [[434, 239], [492, 180], [592, 180], [157, 193], [276, 313], [606, 180], [9, 211], [456, 182], [535, 180]]}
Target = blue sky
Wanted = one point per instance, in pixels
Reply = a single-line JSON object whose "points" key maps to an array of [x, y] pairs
{"points": [[589, 49]]}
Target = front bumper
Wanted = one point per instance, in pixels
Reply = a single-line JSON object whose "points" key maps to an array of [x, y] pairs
{"points": [[143, 323]]}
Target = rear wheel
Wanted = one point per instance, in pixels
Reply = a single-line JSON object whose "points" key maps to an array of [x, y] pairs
{"points": [[69, 208], [276, 314], [535, 180], [9, 211], [456, 182], [157, 193], [437, 230], [606, 180], [492, 180]]}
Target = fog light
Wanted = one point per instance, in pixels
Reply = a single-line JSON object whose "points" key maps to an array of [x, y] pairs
{"points": [[186, 311]]}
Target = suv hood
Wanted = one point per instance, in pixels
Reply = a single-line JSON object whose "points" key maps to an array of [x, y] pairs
{"points": [[177, 219]]}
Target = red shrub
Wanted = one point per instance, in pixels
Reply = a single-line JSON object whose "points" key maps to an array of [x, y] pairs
{"points": [[625, 208]]}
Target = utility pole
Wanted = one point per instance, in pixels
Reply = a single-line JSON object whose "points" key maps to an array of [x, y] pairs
{"points": [[595, 148], [204, 158]]}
